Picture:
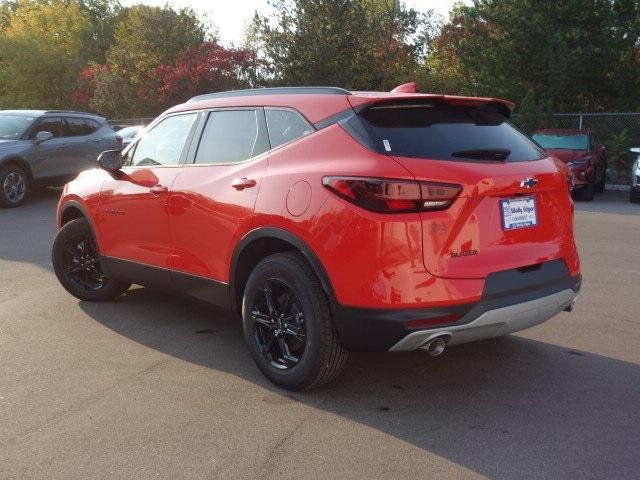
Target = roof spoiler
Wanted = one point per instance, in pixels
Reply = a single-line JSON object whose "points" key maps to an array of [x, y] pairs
{"points": [[405, 88]]}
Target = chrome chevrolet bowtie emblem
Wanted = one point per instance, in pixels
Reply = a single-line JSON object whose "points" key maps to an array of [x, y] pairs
{"points": [[528, 183]]}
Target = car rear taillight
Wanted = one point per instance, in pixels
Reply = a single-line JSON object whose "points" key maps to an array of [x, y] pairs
{"points": [[393, 196]]}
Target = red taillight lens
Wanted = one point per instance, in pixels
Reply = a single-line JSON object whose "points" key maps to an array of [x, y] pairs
{"points": [[427, 322], [393, 196]]}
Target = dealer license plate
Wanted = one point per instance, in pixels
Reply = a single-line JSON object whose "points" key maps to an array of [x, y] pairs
{"points": [[519, 212]]}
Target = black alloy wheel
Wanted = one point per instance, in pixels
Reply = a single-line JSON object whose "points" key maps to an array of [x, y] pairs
{"points": [[288, 326], [81, 263], [279, 324], [76, 262]]}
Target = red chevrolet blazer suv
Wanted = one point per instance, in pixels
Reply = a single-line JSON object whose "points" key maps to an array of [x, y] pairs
{"points": [[330, 221]]}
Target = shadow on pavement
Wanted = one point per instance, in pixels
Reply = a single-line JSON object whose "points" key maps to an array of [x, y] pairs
{"points": [[507, 408], [27, 232]]}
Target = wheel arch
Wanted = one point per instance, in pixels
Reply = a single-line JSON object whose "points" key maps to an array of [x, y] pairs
{"points": [[20, 162], [260, 243], [72, 210]]}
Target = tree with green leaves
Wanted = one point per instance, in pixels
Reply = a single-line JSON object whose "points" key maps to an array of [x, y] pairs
{"points": [[42, 49], [576, 54], [103, 15], [146, 37], [357, 44]]}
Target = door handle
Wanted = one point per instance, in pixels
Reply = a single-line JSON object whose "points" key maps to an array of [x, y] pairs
{"points": [[242, 183], [158, 189]]}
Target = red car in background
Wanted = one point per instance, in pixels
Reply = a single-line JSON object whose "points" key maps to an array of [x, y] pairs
{"points": [[582, 154]]}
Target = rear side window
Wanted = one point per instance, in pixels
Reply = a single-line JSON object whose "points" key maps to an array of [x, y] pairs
{"points": [[285, 126], [53, 125], [232, 136], [443, 132], [79, 126]]}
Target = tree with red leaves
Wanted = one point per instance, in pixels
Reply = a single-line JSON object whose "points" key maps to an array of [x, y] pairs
{"points": [[206, 68]]}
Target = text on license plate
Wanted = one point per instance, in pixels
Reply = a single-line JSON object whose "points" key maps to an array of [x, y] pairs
{"points": [[519, 213]]}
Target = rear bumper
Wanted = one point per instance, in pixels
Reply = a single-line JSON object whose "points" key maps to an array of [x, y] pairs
{"points": [[494, 323], [512, 300]]}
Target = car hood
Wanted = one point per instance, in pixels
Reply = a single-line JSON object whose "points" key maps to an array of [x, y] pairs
{"points": [[567, 156], [6, 143]]}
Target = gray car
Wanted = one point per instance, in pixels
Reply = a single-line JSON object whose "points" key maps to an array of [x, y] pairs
{"points": [[48, 148]]}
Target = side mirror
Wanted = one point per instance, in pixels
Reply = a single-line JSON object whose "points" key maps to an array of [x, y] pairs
{"points": [[43, 136], [110, 160]]}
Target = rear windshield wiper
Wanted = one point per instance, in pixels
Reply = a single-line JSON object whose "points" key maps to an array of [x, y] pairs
{"points": [[500, 154]]}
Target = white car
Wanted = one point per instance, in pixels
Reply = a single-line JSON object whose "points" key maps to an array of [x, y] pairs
{"points": [[634, 195]]}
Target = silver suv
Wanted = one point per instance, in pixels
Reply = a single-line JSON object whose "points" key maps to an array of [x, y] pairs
{"points": [[48, 148]]}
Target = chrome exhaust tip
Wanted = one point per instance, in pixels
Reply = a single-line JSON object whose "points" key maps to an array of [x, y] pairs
{"points": [[435, 347]]}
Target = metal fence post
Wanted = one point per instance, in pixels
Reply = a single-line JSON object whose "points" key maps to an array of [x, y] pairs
{"points": [[580, 122]]}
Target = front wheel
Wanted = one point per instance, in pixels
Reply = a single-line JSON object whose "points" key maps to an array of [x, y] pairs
{"points": [[288, 325], [14, 186], [76, 262]]}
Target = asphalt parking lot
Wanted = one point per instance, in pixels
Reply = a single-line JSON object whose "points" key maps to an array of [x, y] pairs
{"points": [[152, 386]]}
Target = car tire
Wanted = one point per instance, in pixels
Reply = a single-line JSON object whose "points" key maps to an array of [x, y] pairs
{"points": [[288, 324], [76, 262], [14, 186], [634, 195], [587, 193], [600, 186]]}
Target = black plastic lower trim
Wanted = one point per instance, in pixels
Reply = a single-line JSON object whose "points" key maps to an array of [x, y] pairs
{"points": [[365, 329], [205, 289]]}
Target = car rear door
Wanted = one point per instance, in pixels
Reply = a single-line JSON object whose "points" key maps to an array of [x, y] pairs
{"points": [[84, 145], [213, 197], [134, 215], [513, 209]]}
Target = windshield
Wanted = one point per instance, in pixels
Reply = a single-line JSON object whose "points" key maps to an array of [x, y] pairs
{"points": [[447, 132], [562, 142], [129, 132], [14, 126]]}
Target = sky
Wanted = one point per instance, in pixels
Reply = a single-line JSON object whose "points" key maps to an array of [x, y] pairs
{"points": [[231, 17]]}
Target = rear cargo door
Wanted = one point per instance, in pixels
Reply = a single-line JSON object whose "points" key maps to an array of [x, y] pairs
{"points": [[514, 208]]}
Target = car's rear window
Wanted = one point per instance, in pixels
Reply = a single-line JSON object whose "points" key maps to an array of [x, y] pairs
{"points": [[446, 132], [562, 142]]}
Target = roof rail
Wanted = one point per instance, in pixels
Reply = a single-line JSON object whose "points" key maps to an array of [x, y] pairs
{"points": [[273, 91], [72, 111]]}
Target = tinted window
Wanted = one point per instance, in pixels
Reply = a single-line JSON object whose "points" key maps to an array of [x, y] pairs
{"points": [[445, 132], [93, 124], [231, 136], [563, 142], [53, 125], [285, 126], [79, 126], [163, 144]]}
